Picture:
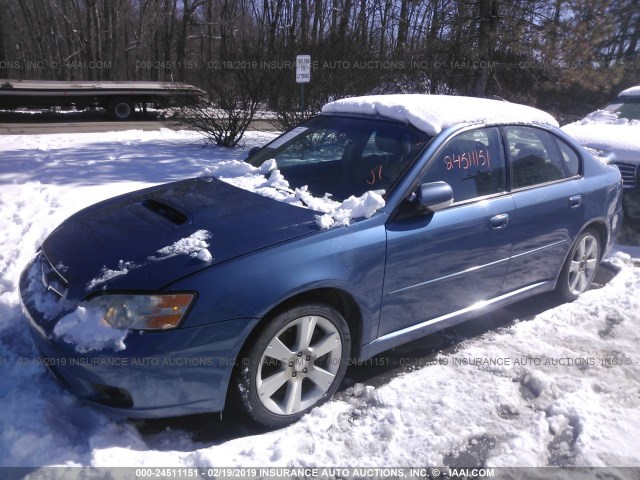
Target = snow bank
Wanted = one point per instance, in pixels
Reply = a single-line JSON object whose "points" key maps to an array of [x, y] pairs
{"points": [[44, 143], [434, 113]]}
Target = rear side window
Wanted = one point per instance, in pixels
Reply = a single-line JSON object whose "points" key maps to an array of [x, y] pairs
{"points": [[570, 158], [533, 157], [472, 163]]}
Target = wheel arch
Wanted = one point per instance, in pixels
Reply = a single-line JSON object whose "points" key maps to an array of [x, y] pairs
{"points": [[597, 224], [337, 298], [600, 227]]}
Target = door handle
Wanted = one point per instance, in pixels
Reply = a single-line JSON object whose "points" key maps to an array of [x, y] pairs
{"points": [[499, 221], [575, 201]]}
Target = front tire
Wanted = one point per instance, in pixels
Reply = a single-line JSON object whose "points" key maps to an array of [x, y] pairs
{"points": [[296, 363], [580, 267]]}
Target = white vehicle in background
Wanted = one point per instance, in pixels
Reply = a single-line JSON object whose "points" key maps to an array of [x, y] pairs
{"points": [[615, 132]]}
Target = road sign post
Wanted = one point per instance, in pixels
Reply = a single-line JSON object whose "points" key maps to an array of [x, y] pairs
{"points": [[303, 75]]}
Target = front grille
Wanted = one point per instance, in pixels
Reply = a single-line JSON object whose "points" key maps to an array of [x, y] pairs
{"points": [[628, 172], [52, 279]]}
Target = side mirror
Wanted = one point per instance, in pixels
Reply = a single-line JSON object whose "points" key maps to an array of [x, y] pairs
{"points": [[252, 152], [434, 196]]}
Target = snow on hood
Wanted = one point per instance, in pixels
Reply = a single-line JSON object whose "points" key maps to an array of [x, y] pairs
{"points": [[267, 181], [195, 246], [604, 130], [107, 274], [434, 113], [630, 92], [364, 206]]}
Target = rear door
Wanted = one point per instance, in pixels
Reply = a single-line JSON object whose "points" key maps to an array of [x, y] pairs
{"points": [[443, 262], [546, 188]]}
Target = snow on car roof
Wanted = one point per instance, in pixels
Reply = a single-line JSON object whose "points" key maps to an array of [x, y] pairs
{"points": [[434, 113], [630, 92]]}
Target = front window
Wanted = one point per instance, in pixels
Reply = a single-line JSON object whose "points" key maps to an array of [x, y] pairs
{"points": [[344, 156], [471, 163]]}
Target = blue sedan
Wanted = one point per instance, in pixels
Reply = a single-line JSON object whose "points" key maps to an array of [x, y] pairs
{"points": [[203, 293]]}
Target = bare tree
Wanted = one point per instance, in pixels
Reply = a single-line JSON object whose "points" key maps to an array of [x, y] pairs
{"points": [[565, 54], [235, 99], [487, 27]]}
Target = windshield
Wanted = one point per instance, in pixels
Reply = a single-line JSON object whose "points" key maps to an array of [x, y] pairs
{"points": [[344, 156], [625, 107]]}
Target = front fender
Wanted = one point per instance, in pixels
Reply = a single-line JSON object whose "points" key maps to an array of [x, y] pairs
{"points": [[349, 258]]}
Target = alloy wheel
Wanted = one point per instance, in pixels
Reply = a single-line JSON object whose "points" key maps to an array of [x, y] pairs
{"points": [[299, 365], [583, 264]]}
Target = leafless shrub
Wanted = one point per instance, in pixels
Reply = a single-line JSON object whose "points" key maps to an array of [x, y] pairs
{"points": [[234, 101]]}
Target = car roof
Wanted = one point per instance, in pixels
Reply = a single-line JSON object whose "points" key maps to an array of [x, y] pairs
{"points": [[630, 92], [434, 113]]}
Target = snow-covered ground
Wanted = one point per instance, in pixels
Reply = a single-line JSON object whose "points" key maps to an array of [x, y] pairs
{"points": [[561, 389]]}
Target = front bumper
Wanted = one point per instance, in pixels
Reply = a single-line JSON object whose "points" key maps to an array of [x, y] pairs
{"points": [[159, 374]]}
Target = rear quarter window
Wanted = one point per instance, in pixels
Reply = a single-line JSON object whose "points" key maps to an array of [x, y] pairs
{"points": [[570, 158]]}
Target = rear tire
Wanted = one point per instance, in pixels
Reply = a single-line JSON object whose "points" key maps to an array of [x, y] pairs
{"points": [[296, 363], [580, 267], [120, 109]]}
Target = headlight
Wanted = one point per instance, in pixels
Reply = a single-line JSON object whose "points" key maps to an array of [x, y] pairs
{"points": [[142, 312]]}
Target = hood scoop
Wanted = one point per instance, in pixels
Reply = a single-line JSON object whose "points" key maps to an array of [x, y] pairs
{"points": [[167, 211]]}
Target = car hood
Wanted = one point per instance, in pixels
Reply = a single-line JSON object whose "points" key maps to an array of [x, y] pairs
{"points": [[129, 242], [622, 140]]}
